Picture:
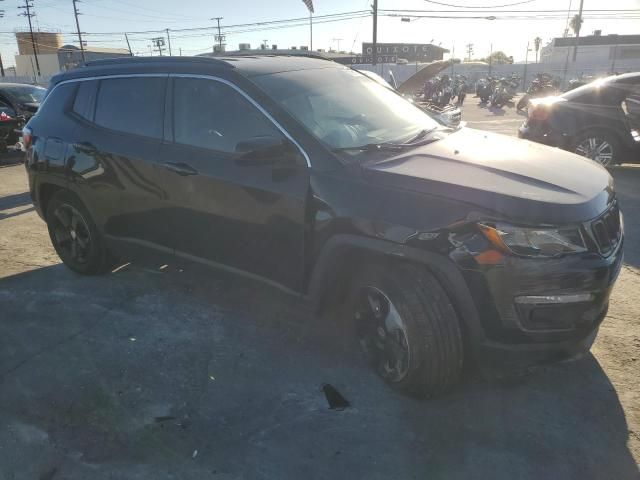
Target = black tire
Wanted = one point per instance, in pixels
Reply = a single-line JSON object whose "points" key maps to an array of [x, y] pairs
{"points": [[74, 235], [430, 332], [583, 139]]}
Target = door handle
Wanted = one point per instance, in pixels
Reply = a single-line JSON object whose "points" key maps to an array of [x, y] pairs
{"points": [[180, 168]]}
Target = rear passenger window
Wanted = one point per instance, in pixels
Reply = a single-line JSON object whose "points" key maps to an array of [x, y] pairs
{"points": [[212, 115], [85, 99], [131, 105]]}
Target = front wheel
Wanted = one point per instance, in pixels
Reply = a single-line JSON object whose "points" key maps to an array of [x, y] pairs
{"points": [[408, 328], [74, 235], [599, 146]]}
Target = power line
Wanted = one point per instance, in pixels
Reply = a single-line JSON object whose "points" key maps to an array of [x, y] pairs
{"points": [[469, 6]]}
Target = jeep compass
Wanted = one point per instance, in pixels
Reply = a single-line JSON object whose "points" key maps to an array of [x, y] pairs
{"points": [[444, 246]]}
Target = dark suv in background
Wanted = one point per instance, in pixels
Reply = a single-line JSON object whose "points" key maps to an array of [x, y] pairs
{"points": [[442, 244], [600, 120]]}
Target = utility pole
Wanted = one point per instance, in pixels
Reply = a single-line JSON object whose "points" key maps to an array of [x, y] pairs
{"points": [[169, 40], [490, 58], [338, 41], [219, 36], [575, 47], [1, 66], [28, 5], [76, 13], [265, 44], [375, 32], [158, 42], [310, 30], [126, 37], [524, 75], [469, 50]]}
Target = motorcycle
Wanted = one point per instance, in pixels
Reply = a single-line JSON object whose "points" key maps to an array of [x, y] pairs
{"points": [[484, 89], [501, 94], [459, 90]]}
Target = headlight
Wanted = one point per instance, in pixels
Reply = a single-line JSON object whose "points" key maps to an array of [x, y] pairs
{"points": [[534, 242]]}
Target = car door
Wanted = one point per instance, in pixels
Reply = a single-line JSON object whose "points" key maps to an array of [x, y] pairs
{"points": [[113, 160], [227, 208]]}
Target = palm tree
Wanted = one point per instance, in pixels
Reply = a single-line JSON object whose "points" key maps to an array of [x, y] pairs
{"points": [[536, 43], [575, 23]]}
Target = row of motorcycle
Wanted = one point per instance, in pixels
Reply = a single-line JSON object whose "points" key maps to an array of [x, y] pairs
{"points": [[444, 90], [497, 92]]}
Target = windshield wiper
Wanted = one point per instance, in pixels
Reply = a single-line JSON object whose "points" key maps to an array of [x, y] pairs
{"points": [[415, 141], [421, 134]]}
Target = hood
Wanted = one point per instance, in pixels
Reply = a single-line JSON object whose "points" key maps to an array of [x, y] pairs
{"points": [[416, 81], [523, 181]]}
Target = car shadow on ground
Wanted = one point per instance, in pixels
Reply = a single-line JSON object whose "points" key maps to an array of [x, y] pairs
{"points": [[11, 202], [173, 373]]}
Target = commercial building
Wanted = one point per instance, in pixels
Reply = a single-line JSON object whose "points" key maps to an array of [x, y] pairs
{"points": [[596, 48], [53, 56]]}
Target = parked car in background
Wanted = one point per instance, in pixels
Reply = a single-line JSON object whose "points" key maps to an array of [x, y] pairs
{"points": [[18, 103], [598, 120], [435, 246]]}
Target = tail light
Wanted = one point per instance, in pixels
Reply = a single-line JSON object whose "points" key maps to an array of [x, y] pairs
{"points": [[4, 117], [26, 138]]}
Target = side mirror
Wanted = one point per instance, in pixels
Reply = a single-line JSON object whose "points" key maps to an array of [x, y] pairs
{"points": [[265, 150]]}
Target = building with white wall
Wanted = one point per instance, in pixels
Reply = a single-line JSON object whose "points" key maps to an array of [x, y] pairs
{"points": [[597, 48]]}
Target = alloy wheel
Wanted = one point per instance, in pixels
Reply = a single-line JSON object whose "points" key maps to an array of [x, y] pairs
{"points": [[596, 149], [71, 233], [383, 334]]}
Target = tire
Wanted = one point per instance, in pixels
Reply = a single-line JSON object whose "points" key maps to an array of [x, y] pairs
{"points": [[74, 235], [423, 354], [590, 144]]}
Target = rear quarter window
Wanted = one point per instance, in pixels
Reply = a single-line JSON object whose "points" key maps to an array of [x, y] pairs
{"points": [[55, 104]]}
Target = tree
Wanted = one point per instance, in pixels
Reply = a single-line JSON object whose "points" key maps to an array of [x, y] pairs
{"points": [[576, 23], [498, 58], [536, 43]]}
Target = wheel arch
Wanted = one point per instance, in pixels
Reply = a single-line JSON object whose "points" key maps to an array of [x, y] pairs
{"points": [[344, 253]]}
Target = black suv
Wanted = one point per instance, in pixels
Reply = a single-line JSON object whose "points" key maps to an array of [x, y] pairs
{"points": [[600, 120], [443, 245]]}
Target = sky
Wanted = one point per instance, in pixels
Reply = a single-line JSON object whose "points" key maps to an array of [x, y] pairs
{"points": [[111, 17]]}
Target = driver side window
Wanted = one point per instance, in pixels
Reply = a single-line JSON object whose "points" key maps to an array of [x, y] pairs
{"points": [[209, 114]]}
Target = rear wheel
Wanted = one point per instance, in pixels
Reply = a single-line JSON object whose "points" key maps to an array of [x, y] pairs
{"points": [[599, 146], [408, 328], [74, 236]]}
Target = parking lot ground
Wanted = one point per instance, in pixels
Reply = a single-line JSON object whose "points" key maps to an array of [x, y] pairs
{"points": [[165, 373]]}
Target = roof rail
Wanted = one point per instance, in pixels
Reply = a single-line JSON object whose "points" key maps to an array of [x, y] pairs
{"points": [[265, 53], [146, 60]]}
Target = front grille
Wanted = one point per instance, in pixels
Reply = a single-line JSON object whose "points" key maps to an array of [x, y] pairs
{"points": [[607, 231]]}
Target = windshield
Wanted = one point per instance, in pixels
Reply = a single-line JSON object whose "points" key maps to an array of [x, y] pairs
{"points": [[345, 109], [26, 93]]}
